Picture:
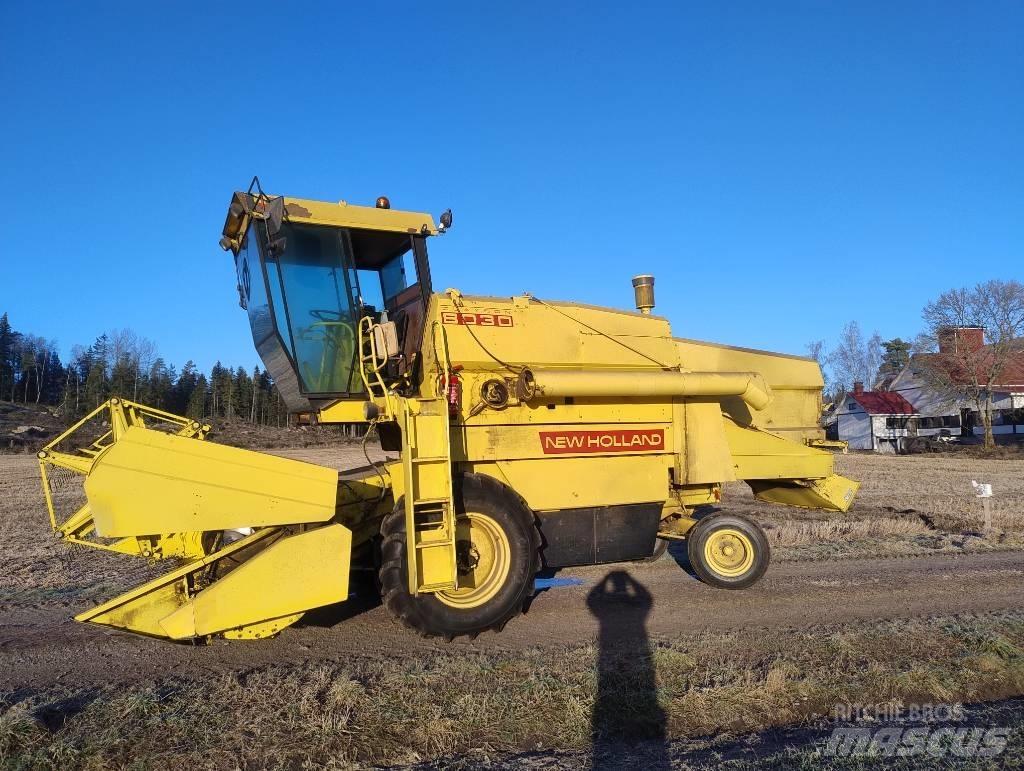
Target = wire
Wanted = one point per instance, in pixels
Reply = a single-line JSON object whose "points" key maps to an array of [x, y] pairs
{"points": [[598, 331], [383, 482], [456, 301]]}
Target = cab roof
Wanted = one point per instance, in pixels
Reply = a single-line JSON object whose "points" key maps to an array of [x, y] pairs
{"points": [[277, 209], [346, 215]]}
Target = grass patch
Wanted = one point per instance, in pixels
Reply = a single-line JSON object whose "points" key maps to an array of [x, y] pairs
{"points": [[792, 532], [896, 546], [366, 711]]}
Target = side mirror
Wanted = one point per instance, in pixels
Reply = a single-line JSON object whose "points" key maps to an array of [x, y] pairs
{"points": [[277, 245], [446, 220], [275, 215]]}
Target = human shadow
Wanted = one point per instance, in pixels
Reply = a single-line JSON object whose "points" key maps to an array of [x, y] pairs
{"points": [[627, 724]]}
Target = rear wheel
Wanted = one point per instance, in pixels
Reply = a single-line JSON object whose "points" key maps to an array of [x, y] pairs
{"points": [[497, 557], [728, 551]]}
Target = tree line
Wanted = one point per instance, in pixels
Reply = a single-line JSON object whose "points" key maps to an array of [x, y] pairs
{"points": [[122, 363]]}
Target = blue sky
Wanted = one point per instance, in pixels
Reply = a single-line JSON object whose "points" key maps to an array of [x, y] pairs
{"points": [[781, 168]]}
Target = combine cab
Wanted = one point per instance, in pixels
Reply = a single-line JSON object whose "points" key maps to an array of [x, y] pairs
{"points": [[531, 434]]}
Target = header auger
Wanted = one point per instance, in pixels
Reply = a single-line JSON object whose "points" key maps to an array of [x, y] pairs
{"points": [[530, 434]]}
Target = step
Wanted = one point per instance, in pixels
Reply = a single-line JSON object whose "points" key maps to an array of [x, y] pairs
{"points": [[435, 587], [434, 544], [429, 501]]}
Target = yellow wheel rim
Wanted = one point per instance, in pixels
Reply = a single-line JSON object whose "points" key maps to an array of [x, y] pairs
{"points": [[484, 559], [729, 552]]}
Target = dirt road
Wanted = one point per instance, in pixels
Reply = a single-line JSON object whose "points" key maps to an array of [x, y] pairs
{"points": [[42, 647]]}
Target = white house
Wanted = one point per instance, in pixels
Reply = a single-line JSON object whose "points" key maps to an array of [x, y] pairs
{"points": [[875, 420], [943, 410]]}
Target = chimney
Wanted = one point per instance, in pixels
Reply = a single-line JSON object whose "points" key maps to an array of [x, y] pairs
{"points": [[961, 339], [858, 387]]}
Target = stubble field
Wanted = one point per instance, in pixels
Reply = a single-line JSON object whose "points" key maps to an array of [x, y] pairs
{"points": [[904, 599]]}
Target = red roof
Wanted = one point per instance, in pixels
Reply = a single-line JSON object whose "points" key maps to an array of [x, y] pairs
{"points": [[1010, 379], [883, 403]]}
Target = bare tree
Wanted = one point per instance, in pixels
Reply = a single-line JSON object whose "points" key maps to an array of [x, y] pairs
{"points": [[855, 359], [138, 351], [42, 364], [78, 357], [963, 366], [145, 354], [816, 350]]}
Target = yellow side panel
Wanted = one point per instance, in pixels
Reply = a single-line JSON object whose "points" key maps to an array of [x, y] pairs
{"points": [[759, 455], [140, 612], [795, 381], [152, 482], [779, 369], [351, 411], [143, 608], [707, 458], [262, 629], [295, 574], [514, 442], [569, 483], [527, 331]]}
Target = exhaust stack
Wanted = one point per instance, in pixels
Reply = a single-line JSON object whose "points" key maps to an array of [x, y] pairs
{"points": [[643, 289]]}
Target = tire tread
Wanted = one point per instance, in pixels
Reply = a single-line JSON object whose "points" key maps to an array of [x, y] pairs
{"points": [[404, 607]]}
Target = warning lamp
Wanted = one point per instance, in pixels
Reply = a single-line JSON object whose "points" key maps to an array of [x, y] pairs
{"points": [[383, 202]]}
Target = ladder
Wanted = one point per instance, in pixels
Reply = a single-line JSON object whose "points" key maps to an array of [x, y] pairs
{"points": [[429, 504]]}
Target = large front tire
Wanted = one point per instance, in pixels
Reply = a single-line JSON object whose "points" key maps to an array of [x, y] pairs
{"points": [[498, 553], [728, 551]]}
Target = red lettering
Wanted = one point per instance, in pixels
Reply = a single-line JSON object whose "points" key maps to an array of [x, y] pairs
{"points": [[598, 441], [477, 319]]}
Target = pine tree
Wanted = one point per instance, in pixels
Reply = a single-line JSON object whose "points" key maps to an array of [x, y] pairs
{"points": [[96, 390], [241, 392], [196, 407], [257, 397], [99, 352], [6, 352], [159, 386], [122, 377], [96, 383], [126, 365], [216, 379], [184, 386], [53, 378], [895, 358]]}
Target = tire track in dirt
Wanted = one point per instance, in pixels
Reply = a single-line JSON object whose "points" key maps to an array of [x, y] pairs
{"points": [[41, 647]]}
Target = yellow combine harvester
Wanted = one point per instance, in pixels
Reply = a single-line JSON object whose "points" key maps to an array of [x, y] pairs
{"points": [[530, 433]]}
